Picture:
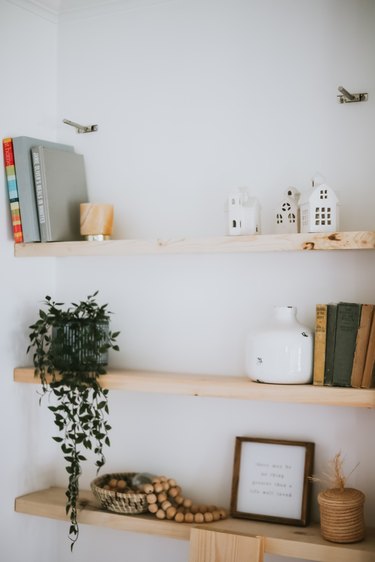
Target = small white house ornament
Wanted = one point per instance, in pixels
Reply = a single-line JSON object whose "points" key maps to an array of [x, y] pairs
{"points": [[319, 209], [286, 215], [243, 213]]}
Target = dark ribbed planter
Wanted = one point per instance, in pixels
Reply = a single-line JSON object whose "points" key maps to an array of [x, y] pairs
{"points": [[78, 345]]}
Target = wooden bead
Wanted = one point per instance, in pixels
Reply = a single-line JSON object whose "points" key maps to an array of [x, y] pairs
{"points": [[165, 504], [113, 482], [202, 508], [163, 479], [160, 514], [153, 507], [179, 500], [216, 515], [155, 480], [158, 487], [194, 508], [189, 517], [208, 517], [162, 497], [174, 491], [187, 503], [179, 517], [151, 498], [172, 483], [223, 513], [166, 486], [171, 512], [148, 488], [199, 518]]}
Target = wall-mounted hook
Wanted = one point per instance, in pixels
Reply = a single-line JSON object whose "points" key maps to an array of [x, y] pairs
{"points": [[347, 97], [81, 128]]}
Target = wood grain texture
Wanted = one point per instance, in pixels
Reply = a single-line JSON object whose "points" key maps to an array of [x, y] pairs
{"points": [[219, 386], [211, 546], [359, 240], [283, 540]]}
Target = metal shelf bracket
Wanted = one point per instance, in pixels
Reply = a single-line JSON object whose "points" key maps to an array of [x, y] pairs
{"points": [[81, 128], [347, 97]]}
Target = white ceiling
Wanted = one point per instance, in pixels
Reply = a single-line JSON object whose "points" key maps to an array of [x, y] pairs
{"points": [[57, 9]]}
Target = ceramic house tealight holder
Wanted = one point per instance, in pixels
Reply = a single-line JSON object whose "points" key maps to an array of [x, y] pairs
{"points": [[243, 213], [286, 215], [319, 209]]}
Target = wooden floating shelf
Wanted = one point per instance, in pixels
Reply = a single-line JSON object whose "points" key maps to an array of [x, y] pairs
{"points": [[360, 240], [282, 540], [218, 386]]}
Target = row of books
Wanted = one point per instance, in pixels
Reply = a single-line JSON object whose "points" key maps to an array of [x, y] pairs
{"points": [[344, 352], [46, 182]]}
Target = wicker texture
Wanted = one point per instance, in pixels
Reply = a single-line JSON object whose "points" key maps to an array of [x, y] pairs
{"points": [[341, 515], [119, 502]]}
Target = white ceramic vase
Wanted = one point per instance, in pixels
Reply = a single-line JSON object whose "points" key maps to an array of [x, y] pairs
{"points": [[282, 351]]}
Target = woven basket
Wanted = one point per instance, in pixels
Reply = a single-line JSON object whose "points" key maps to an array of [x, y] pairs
{"points": [[341, 515], [119, 502]]}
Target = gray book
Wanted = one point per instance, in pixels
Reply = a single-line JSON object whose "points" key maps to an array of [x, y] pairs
{"points": [[25, 182], [60, 187]]}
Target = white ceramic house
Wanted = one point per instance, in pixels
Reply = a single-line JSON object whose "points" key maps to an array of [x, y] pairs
{"points": [[243, 213], [319, 209], [286, 215]]}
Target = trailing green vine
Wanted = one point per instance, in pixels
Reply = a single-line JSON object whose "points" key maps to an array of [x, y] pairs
{"points": [[70, 349]]}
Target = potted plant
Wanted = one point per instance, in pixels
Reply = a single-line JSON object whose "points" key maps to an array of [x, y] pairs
{"points": [[70, 351]]}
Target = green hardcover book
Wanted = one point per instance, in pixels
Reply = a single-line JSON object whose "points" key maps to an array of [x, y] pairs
{"points": [[25, 181], [347, 323], [330, 343]]}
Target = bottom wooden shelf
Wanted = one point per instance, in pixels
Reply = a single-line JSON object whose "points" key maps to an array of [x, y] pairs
{"points": [[283, 540]]}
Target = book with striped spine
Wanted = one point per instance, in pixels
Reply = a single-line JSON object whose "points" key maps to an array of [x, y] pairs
{"points": [[11, 180]]}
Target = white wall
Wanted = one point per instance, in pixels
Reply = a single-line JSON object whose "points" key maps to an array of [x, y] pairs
{"points": [[192, 99], [28, 107]]}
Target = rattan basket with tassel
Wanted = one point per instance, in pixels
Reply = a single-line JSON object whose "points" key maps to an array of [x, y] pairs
{"points": [[341, 515]]}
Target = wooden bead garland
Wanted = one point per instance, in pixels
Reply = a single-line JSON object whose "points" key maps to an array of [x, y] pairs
{"points": [[165, 501]]}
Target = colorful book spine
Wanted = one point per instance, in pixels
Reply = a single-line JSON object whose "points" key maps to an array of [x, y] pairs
{"points": [[10, 173], [320, 343]]}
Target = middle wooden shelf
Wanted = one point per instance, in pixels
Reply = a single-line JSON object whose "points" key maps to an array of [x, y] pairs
{"points": [[220, 386]]}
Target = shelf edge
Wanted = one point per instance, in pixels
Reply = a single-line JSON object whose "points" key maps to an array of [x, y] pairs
{"points": [[355, 240], [220, 386]]}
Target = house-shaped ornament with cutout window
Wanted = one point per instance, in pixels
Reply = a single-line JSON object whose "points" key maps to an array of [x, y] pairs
{"points": [[286, 216], [319, 209]]}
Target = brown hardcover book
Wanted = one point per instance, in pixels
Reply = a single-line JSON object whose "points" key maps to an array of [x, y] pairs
{"points": [[361, 344], [320, 343], [368, 379]]}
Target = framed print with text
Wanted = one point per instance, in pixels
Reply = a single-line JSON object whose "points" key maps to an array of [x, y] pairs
{"points": [[271, 480]]}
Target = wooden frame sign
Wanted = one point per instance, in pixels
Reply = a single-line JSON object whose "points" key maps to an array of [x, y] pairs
{"points": [[271, 480]]}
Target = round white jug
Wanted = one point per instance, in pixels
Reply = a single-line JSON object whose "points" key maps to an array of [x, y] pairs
{"points": [[282, 351]]}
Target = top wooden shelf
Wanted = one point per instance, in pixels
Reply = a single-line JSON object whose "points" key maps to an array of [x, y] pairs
{"points": [[360, 240]]}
